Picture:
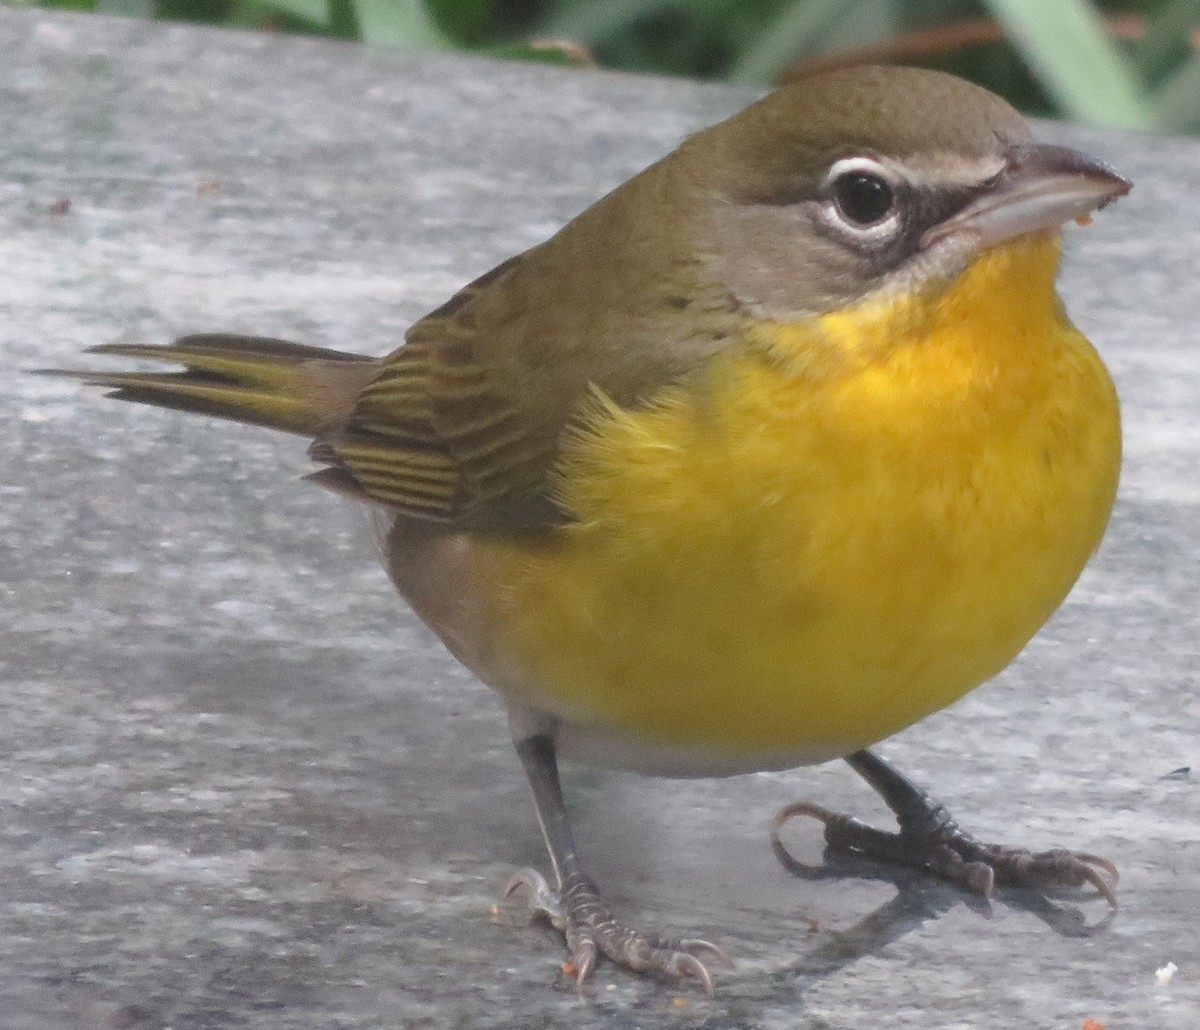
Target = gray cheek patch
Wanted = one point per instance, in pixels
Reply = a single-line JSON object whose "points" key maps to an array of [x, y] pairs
{"points": [[779, 262]]}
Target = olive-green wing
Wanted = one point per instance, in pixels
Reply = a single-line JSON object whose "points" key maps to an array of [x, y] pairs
{"points": [[438, 435], [463, 424]]}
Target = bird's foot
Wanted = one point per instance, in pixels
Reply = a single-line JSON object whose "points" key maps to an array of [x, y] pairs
{"points": [[586, 922], [929, 838]]}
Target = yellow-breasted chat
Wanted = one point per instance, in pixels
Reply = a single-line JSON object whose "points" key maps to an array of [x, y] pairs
{"points": [[779, 447]]}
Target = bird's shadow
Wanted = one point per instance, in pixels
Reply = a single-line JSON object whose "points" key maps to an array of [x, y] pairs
{"points": [[920, 898]]}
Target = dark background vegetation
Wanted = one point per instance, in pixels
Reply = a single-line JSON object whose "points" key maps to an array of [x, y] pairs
{"points": [[1133, 64]]}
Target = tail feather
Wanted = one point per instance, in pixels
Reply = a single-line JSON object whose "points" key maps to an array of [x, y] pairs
{"points": [[258, 380]]}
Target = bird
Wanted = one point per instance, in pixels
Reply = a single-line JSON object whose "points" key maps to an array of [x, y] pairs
{"points": [[780, 446]]}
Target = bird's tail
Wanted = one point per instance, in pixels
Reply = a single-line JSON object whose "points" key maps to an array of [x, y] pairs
{"points": [[251, 379]]}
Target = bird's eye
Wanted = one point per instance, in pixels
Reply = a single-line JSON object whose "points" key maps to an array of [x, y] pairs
{"points": [[862, 198]]}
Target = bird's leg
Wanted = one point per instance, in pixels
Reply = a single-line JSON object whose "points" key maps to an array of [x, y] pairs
{"points": [[576, 907], [930, 838]]}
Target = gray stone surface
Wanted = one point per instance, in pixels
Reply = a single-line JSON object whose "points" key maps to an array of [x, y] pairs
{"points": [[241, 786]]}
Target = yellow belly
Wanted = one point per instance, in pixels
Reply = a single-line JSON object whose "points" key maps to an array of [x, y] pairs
{"points": [[842, 528]]}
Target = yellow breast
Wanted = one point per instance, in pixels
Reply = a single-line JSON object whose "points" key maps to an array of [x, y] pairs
{"points": [[842, 527]]}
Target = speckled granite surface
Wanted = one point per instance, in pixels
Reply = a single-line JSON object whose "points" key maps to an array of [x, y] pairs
{"points": [[241, 786]]}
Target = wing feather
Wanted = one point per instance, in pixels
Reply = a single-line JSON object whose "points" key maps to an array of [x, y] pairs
{"points": [[464, 424]]}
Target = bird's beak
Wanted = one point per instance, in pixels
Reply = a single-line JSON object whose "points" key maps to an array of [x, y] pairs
{"points": [[1040, 187]]}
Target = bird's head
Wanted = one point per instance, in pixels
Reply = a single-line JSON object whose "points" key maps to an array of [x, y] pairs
{"points": [[875, 181]]}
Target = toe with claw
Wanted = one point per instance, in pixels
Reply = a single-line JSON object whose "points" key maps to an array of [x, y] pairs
{"points": [[591, 932], [929, 838]]}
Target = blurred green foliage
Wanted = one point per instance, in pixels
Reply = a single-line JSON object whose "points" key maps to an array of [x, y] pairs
{"points": [[1131, 64]]}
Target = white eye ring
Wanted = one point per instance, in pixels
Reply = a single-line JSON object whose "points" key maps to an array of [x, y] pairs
{"points": [[837, 208]]}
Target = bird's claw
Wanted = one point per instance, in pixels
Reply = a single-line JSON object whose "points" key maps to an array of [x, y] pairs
{"points": [[580, 914], [940, 846], [543, 900], [1058, 867]]}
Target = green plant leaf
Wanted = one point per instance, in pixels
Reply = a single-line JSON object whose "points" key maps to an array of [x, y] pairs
{"points": [[315, 11], [405, 24], [1071, 54], [801, 28]]}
